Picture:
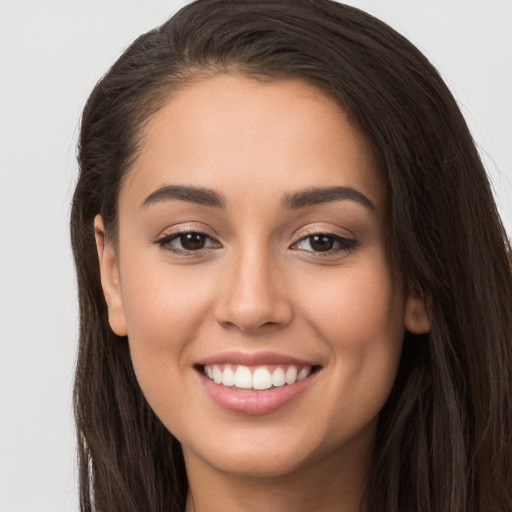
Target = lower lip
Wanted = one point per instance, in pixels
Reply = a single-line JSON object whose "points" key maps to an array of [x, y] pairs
{"points": [[249, 401]]}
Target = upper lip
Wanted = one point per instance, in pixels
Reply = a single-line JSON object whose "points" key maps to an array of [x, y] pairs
{"points": [[253, 359]]}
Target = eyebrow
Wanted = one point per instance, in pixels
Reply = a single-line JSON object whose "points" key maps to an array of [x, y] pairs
{"points": [[315, 196], [294, 201], [191, 194]]}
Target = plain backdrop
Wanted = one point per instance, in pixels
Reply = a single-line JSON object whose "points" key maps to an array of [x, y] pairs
{"points": [[51, 55]]}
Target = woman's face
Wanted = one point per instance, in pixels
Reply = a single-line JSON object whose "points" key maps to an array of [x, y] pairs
{"points": [[252, 248]]}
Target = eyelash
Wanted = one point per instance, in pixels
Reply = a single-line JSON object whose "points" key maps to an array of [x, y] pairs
{"points": [[166, 241], [345, 244]]}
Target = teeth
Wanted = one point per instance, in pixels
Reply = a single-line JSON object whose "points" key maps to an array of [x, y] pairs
{"points": [[228, 377], [278, 378], [243, 377], [260, 378], [217, 375], [303, 373], [291, 375]]}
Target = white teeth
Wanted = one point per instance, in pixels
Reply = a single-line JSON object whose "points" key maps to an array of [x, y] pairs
{"points": [[291, 375], [260, 378], [228, 377], [278, 377], [217, 374], [303, 373], [243, 377]]}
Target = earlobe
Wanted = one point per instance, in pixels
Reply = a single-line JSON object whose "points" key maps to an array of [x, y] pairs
{"points": [[417, 314], [110, 281]]}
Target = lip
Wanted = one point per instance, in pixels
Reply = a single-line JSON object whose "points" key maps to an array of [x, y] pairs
{"points": [[255, 359], [250, 401]]}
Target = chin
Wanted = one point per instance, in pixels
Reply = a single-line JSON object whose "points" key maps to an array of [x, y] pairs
{"points": [[255, 462]]}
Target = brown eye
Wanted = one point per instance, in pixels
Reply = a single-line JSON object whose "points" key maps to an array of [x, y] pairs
{"points": [[186, 243], [325, 243], [321, 243], [192, 241]]}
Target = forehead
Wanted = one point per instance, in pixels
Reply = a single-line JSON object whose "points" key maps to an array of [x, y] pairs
{"points": [[239, 135]]}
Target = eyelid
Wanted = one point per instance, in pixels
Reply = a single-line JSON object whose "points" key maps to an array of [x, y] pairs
{"points": [[170, 234], [343, 237], [329, 231], [347, 240], [184, 228]]}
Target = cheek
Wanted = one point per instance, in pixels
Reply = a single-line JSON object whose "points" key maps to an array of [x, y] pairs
{"points": [[164, 307], [358, 305], [162, 303], [359, 315]]}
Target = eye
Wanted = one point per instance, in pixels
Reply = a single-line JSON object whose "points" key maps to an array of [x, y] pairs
{"points": [[187, 242], [324, 243], [192, 241]]}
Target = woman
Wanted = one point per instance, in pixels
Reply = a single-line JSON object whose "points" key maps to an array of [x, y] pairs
{"points": [[302, 300]]}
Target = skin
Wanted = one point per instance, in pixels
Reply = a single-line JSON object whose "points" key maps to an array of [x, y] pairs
{"points": [[258, 285]]}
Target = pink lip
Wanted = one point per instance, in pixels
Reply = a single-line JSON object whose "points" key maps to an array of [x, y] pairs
{"points": [[249, 401], [256, 359]]}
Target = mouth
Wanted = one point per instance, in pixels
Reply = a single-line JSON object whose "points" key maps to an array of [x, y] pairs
{"points": [[259, 378], [255, 384]]}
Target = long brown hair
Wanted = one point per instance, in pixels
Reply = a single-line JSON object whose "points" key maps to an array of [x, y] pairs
{"points": [[444, 440]]}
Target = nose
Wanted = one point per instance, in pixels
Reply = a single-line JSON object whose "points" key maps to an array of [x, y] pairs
{"points": [[254, 294]]}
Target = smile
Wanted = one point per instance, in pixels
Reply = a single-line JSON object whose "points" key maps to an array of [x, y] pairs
{"points": [[257, 378], [255, 384]]}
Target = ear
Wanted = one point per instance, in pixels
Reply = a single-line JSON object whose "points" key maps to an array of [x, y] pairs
{"points": [[110, 281], [417, 315]]}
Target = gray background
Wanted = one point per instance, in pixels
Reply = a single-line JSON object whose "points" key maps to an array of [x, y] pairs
{"points": [[51, 55]]}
